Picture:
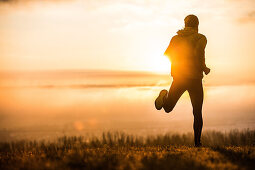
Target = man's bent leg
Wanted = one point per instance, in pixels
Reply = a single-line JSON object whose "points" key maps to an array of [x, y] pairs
{"points": [[176, 90], [196, 95]]}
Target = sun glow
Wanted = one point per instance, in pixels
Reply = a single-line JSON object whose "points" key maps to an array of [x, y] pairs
{"points": [[160, 64]]}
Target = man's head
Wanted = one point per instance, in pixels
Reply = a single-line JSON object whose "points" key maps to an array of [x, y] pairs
{"points": [[191, 21]]}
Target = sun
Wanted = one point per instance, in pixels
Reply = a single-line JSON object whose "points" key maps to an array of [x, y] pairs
{"points": [[160, 64]]}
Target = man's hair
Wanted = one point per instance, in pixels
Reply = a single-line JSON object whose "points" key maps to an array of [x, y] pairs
{"points": [[191, 21]]}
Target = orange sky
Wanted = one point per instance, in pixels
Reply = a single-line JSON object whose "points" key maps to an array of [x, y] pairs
{"points": [[122, 35]]}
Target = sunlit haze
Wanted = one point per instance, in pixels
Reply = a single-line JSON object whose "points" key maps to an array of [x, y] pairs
{"points": [[70, 66]]}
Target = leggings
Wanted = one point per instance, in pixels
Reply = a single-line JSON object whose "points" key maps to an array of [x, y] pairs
{"points": [[195, 90]]}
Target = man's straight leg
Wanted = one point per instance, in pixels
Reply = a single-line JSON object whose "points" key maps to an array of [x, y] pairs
{"points": [[195, 90]]}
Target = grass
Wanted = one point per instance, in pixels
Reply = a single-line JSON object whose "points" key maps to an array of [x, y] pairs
{"points": [[232, 150]]}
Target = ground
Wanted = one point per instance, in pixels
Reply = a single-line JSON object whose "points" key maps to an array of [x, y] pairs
{"points": [[157, 157]]}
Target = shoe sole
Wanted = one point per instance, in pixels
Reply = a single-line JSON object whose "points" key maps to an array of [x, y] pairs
{"points": [[160, 99]]}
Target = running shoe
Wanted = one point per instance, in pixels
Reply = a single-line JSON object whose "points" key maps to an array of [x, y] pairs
{"points": [[159, 102]]}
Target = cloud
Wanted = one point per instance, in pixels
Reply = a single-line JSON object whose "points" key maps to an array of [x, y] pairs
{"points": [[250, 17], [5, 0], [30, 1]]}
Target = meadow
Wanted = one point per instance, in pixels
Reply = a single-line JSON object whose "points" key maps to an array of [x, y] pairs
{"points": [[116, 150]]}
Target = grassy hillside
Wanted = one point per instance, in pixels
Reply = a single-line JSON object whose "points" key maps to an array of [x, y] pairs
{"points": [[233, 150]]}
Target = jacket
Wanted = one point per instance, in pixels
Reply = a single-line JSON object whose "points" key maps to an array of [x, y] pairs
{"points": [[186, 52]]}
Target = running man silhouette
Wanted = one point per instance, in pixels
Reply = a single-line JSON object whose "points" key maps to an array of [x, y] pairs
{"points": [[186, 52]]}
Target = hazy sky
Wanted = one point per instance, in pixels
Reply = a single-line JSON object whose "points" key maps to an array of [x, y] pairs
{"points": [[122, 35]]}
